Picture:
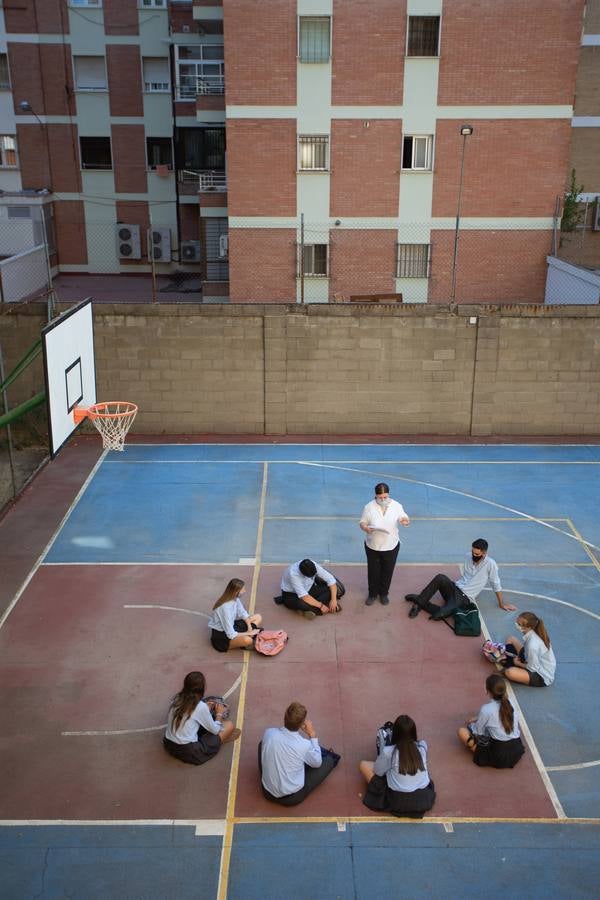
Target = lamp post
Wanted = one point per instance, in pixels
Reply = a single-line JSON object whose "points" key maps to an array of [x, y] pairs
{"points": [[465, 130]]}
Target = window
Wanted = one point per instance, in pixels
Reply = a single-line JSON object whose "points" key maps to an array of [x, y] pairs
{"points": [[413, 261], [423, 36], [159, 152], [315, 260], [153, 4], [157, 77], [90, 73], [200, 70], [8, 151], [313, 152], [95, 3], [95, 153], [314, 39], [416, 152], [217, 267], [199, 149], [4, 76]]}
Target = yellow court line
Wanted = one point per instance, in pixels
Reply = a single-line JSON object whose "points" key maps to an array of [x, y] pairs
{"points": [[585, 547], [392, 820], [235, 763]]}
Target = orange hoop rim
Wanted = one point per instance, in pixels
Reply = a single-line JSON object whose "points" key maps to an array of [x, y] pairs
{"points": [[99, 410]]}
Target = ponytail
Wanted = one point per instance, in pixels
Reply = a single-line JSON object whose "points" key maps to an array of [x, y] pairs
{"points": [[530, 620], [231, 592], [496, 688]]}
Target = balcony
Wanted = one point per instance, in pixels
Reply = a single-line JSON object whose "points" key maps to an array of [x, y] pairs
{"points": [[202, 181], [191, 86]]}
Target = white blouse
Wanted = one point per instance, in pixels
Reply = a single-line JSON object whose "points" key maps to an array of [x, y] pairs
{"points": [[224, 616], [187, 732], [387, 764], [377, 517]]}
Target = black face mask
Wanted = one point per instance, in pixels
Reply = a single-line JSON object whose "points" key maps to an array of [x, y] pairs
{"points": [[476, 559]]}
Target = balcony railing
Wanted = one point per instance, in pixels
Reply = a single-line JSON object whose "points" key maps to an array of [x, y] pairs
{"points": [[205, 179], [191, 86]]}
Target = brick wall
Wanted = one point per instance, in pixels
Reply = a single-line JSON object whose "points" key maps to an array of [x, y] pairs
{"points": [[49, 157], [121, 17], [585, 157], [365, 167], [260, 52], [129, 158], [124, 79], [362, 262], [512, 167], [261, 164], [262, 264], [587, 90], [509, 52], [342, 369], [592, 17], [36, 16], [492, 266], [69, 221], [368, 52]]}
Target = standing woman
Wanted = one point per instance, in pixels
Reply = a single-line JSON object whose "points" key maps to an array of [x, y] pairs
{"points": [[231, 624], [534, 662], [379, 521], [193, 735], [493, 736], [398, 781]]}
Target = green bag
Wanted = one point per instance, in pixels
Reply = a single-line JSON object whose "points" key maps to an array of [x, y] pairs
{"points": [[466, 621]]}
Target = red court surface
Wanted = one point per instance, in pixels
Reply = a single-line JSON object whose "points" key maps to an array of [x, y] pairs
{"points": [[74, 659]]}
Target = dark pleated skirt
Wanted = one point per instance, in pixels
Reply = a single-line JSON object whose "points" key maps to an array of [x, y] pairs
{"points": [[499, 754], [380, 798], [197, 752]]}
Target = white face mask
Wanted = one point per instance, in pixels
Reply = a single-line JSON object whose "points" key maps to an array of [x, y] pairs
{"points": [[383, 502]]}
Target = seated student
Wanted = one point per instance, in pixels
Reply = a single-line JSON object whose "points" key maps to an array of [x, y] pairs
{"points": [[311, 590], [290, 760], [398, 781], [231, 625], [533, 661], [193, 735], [493, 736]]}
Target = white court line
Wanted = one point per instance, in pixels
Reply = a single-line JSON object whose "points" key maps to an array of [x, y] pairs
{"points": [[146, 562], [448, 490], [46, 549], [191, 612], [227, 694], [376, 462], [585, 765]]}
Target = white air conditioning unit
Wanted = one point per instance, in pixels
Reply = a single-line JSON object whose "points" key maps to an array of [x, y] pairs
{"points": [[596, 215], [190, 252], [128, 241], [223, 246], [159, 244]]}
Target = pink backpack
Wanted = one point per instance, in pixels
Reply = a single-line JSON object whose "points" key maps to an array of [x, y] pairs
{"points": [[270, 643]]}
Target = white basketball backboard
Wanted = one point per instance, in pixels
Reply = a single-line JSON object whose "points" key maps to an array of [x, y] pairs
{"points": [[70, 370]]}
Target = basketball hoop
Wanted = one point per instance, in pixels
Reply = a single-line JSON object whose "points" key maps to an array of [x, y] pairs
{"points": [[112, 419]]}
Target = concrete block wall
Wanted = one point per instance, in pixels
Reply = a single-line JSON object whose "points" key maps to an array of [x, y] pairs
{"points": [[338, 369]]}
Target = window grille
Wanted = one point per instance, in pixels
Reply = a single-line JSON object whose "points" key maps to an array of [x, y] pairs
{"points": [[8, 151], [313, 153], [314, 40], [423, 35], [156, 74], [4, 76], [413, 261]]}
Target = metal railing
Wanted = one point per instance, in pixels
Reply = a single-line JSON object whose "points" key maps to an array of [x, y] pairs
{"points": [[191, 86], [206, 179]]}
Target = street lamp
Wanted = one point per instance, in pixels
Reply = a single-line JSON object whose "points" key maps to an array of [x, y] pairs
{"points": [[26, 107], [465, 130]]}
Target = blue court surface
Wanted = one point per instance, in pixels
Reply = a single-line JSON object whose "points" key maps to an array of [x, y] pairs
{"points": [[262, 506]]}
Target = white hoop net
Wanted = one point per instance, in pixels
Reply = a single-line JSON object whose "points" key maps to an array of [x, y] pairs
{"points": [[113, 420]]}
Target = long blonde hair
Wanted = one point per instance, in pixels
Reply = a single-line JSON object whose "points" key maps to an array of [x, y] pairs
{"points": [[530, 620], [231, 592]]}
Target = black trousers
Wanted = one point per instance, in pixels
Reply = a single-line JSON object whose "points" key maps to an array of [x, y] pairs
{"points": [[380, 568], [312, 779], [319, 591], [452, 595]]}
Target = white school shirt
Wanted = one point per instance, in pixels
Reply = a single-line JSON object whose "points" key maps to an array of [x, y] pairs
{"points": [[294, 582], [283, 755], [187, 732], [489, 724], [538, 657], [224, 616], [387, 764], [373, 514], [477, 576]]}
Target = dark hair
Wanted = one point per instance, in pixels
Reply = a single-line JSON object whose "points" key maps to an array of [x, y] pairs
{"points": [[530, 620], [382, 488], [308, 568], [480, 544], [294, 716], [496, 688], [231, 592], [404, 736], [188, 698]]}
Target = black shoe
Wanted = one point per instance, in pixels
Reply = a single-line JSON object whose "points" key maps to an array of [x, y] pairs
{"points": [[384, 600], [414, 611], [370, 600], [411, 598], [278, 600]]}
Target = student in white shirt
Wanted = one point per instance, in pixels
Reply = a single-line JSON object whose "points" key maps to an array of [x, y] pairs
{"points": [[493, 736], [231, 624], [379, 521], [398, 781], [291, 762], [195, 729], [533, 661], [479, 570], [311, 590]]}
